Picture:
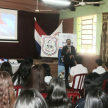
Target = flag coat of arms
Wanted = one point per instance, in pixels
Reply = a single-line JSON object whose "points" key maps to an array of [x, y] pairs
{"points": [[38, 32], [49, 46]]}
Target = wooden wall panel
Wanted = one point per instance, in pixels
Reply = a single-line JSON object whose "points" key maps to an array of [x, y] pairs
{"points": [[67, 25]]}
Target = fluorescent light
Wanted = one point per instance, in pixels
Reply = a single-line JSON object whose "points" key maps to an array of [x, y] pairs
{"points": [[54, 1]]}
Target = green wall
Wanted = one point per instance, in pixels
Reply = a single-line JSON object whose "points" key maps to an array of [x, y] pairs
{"points": [[88, 10]]}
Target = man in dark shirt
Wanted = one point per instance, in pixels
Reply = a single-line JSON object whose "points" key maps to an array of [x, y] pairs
{"points": [[91, 80], [69, 53]]}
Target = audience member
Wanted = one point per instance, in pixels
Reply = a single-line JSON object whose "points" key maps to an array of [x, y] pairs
{"points": [[6, 67], [30, 98], [105, 76], [22, 74], [30, 59], [78, 69], [48, 76], [91, 81], [7, 94], [96, 98], [99, 69], [36, 79], [57, 96]]}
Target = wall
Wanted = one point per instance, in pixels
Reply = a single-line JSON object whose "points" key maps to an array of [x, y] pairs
{"points": [[26, 45]]}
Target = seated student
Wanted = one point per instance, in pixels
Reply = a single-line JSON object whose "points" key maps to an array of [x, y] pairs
{"points": [[7, 94], [57, 96], [36, 79], [22, 74], [30, 59], [96, 98], [6, 67], [48, 76], [30, 98], [99, 69], [105, 76], [91, 80], [78, 69]]}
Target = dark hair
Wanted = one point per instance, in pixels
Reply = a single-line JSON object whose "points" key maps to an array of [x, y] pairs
{"points": [[7, 94], [92, 80], [47, 69], [98, 62], [36, 79], [106, 64], [6, 67], [96, 98], [30, 98], [22, 73], [67, 40], [78, 59], [30, 59], [57, 96]]}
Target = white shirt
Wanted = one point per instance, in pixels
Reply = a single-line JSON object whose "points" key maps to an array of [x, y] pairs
{"points": [[47, 79], [78, 69], [99, 70]]}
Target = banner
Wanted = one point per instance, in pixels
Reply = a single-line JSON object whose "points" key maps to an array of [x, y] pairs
{"points": [[62, 42], [49, 46]]}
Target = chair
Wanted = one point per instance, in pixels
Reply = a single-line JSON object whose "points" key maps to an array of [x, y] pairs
{"points": [[74, 95], [17, 88], [79, 85], [44, 95], [104, 84]]}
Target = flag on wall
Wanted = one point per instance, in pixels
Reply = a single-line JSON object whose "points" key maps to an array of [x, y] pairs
{"points": [[58, 30], [38, 36], [39, 32]]}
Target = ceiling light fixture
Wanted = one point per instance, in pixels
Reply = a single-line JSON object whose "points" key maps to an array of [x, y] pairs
{"points": [[56, 1]]}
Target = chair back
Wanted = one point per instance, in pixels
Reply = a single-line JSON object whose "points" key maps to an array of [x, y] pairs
{"points": [[17, 88], [44, 95], [80, 78], [104, 85]]}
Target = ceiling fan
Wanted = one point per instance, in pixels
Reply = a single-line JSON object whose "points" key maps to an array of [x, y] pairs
{"points": [[37, 9], [83, 3]]}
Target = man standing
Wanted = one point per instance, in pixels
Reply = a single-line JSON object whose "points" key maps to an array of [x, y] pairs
{"points": [[68, 52]]}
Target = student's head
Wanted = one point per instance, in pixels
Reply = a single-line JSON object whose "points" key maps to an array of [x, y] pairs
{"points": [[92, 80], [98, 62], [106, 66], [47, 69], [7, 95], [57, 96], [68, 41], [6, 67], [30, 98], [30, 59], [78, 60], [96, 98], [22, 73], [36, 79]]}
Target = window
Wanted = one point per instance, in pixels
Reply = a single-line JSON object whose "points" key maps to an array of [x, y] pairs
{"points": [[86, 34]]}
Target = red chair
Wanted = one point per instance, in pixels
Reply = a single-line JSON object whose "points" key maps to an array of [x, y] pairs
{"points": [[44, 95], [17, 88], [73, 96], [79, 85], [104, 84]]}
